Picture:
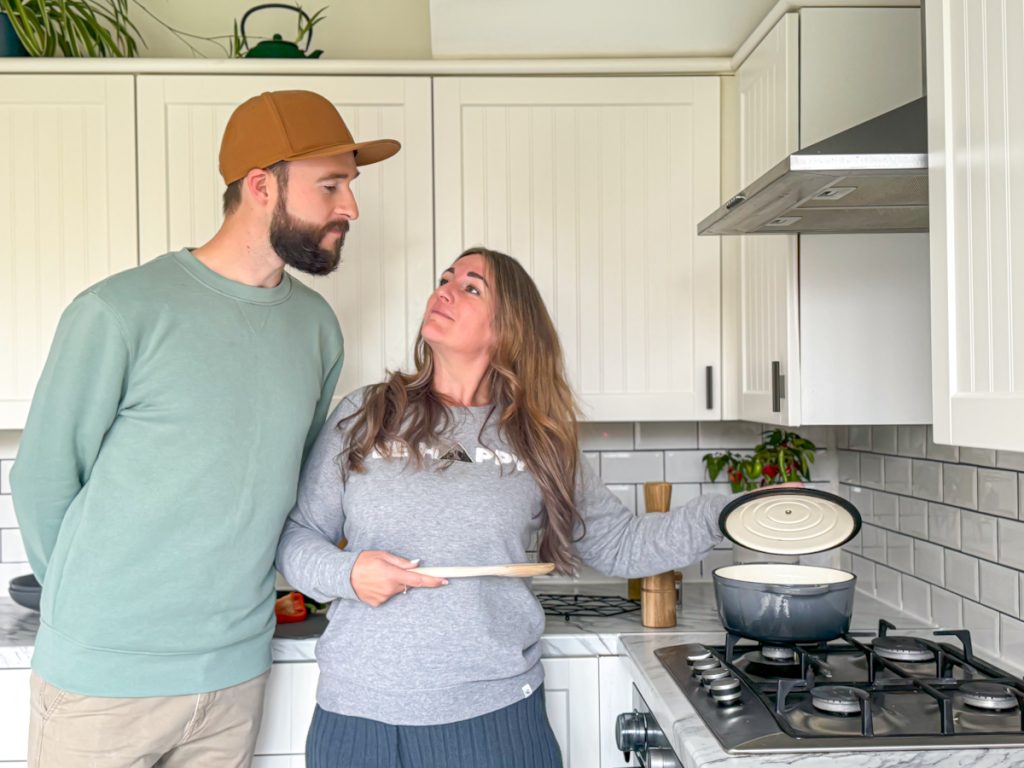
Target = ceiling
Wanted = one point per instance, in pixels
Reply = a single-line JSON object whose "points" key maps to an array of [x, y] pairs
{"points": [[606, 28]]}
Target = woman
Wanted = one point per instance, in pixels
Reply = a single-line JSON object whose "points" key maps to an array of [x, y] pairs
{"points": [[461, 462]]}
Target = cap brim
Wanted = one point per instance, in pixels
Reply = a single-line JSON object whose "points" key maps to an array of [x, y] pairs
{"points": [[367, 152]]}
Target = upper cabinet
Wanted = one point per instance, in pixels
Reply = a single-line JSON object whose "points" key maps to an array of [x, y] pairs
{"points": [[596, 185], [67, 210], [387, 268], [816, 315], [976, 191]]}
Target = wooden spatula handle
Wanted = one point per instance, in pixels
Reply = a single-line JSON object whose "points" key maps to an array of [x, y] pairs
{"points": [[658, 593]]}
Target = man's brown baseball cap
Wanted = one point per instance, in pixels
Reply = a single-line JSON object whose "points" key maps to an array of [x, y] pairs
{"points": [[290, 125]]}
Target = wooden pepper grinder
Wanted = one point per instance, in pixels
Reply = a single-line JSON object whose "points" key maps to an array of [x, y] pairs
{"points": [[658, 593]]}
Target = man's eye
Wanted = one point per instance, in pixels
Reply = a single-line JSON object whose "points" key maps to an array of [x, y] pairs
{"points": [[329, 188]]}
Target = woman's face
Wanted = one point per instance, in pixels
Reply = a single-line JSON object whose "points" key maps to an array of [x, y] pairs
{"points": [[460, 312]]}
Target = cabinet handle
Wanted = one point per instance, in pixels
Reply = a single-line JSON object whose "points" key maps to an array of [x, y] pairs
{"points": [[740, 198], [710, 397], [776, 386]]}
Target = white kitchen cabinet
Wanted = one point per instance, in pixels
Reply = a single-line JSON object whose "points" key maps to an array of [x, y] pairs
{"points": [[14, 714], [67, 211], [976, 213], [615, 696], [387, 269], [823, 339], [596, 185], [571, 697], [287, 709]]}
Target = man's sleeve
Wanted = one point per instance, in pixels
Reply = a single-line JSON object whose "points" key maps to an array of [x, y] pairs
{"points": [[75, 403]]}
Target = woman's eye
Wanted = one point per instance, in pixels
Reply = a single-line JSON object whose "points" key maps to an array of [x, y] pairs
{"points": [[473, 289], [443, 281]]}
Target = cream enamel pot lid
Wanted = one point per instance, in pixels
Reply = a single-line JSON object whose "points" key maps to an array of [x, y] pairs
{"points": [[790, 521], [783, 574]]}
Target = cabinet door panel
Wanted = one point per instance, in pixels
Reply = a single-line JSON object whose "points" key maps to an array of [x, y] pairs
{"points": [[14, 713], [595, 185], [571, 698], [976, 188], [387, 269], [67, 211]]}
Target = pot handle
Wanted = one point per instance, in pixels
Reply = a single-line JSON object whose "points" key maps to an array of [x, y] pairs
{"points": [[802, 591]]}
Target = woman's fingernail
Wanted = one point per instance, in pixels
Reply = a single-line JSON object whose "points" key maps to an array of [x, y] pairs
{"points": [[444, 582], [415, 562]]}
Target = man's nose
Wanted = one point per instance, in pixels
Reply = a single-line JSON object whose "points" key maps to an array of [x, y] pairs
{"points": [[347, 206]]}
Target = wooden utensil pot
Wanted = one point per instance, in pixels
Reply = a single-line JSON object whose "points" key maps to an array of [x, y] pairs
{"points": [[658, 592]]}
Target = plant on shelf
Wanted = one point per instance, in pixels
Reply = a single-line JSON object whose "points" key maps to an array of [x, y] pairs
{"points": [[781, 457], [73, 27]]}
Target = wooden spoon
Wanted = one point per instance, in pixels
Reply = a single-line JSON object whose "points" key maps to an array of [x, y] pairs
{"points": [[515, 570]]}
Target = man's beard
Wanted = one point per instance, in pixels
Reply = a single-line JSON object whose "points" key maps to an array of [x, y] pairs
{"points": [[298, 243]]}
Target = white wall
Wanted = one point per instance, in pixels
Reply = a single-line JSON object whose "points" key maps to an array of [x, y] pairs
{"points": [[355, 29]]}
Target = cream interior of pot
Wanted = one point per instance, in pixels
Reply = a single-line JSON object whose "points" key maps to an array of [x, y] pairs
{"points": [[784, 574]]}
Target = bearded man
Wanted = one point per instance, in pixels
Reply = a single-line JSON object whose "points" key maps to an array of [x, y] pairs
{"points": [[162, 453]]}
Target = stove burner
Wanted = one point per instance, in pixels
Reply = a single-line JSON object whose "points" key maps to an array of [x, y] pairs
{"points": [[989, 696], [780, 655], [836, 699], [756, 663], [903, 649]]}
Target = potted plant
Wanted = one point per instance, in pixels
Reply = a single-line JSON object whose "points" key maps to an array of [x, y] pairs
{"points": [[73, 27], [780, 457]]}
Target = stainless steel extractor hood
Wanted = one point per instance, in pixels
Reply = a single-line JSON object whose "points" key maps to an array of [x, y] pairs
{"points": [[870, 178]]}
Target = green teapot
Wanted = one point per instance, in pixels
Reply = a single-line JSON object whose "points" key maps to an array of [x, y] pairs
{"points": [[278, 48]]}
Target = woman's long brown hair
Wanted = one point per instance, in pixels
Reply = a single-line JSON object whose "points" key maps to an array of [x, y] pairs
{"points": [[531, 396]]}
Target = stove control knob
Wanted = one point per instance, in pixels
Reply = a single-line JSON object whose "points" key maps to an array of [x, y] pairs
{"points": [[631, 732], [662, 758]]}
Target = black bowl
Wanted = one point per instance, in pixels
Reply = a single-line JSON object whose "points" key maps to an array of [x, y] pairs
{"points": [[25, 591]]}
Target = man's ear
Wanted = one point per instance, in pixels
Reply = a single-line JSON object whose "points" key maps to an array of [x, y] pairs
{"points": [[257, 186]]}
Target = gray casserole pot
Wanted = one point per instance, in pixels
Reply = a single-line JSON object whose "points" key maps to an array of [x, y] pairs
{"points": [[784, 603], [780, 604]]}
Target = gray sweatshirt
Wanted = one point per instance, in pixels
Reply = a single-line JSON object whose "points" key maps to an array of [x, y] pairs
{"points": [[458, 651]]}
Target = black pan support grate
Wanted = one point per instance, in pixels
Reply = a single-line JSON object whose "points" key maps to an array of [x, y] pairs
{"points": [[571, 606]]}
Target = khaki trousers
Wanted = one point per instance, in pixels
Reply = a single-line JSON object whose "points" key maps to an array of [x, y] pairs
{"points": [[206, 730]]}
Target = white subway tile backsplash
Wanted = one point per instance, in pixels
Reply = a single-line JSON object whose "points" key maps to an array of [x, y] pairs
{"points": [[883, 439], [842, 437], [981, 456], [1000, 587], [884, 511], [594, 459], [1011, 640], [899, 551], [660, 435], [687, 467], [1010, 535], [872, 543], [849, 467], [12, 550], [632, 466], [997, 492], [606, 436], [863, 500], [897, 474], [960, 486], [888, 585], [681, 493], [9, 439], [927, 480], [858, 438], [715, 489], [961, 572], [864, 570], [5, 475], [9, 571], [984, 625], [944, 525], [872, 473], [846, 561], [626, 494], [913, 517], [728, 434], [947, 609], [911, 440], [1010, 460], [978, 534], [7, 518], [717, 558], [941, 452], [928, 562], [916, 597]]}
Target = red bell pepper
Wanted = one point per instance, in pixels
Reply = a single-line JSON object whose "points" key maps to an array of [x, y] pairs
{"points": [[290, 608]]}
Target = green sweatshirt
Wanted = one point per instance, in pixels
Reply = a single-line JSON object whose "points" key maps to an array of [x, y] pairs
{"points": [[159, 461]]}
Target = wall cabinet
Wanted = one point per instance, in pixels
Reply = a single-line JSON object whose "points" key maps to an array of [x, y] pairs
{"points": [[387, 271], [976, 193], [67, 210], [596, 186], [800, 361]]}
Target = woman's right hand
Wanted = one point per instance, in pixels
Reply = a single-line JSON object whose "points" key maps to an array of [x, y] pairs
{"points": [[378, 576]]}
